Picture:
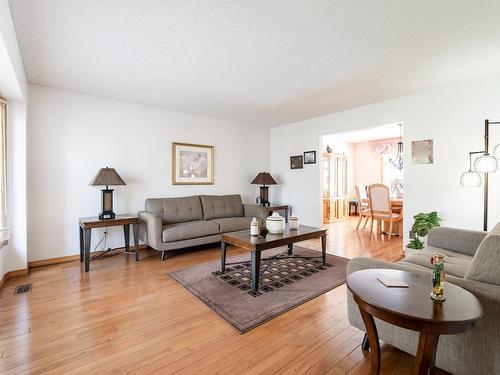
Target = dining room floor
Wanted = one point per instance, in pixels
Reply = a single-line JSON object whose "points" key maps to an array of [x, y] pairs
{"points": [[344, 240]]}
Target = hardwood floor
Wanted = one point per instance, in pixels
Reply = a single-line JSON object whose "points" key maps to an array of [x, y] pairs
{"points": [[128, 317]]}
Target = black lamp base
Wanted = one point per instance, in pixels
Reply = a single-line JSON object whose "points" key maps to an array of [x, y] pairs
{"points": [[264, 196], [106, 215], [107, 205]]}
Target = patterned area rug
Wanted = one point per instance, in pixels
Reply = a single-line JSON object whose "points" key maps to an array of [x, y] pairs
{"points": [[284, 284]]}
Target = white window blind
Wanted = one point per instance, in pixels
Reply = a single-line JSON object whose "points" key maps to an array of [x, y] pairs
{"points": [[4, 229]]}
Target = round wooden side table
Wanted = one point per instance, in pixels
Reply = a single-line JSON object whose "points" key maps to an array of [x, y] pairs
{"points": [[412, 308]]}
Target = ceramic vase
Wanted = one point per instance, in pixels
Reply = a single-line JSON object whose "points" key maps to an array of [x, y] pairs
{"points": [[275, 223], [293, 222]]}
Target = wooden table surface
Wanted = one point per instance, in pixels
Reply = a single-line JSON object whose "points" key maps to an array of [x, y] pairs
{"points": [[412, 308]]}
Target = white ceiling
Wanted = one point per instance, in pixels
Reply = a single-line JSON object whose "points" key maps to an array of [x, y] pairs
{"points": [[263, 62], [369, 134]]}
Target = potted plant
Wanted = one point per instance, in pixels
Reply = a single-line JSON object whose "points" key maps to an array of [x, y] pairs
{"points": [[424, 222]]}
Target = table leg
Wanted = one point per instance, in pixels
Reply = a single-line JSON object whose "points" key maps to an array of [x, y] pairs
{"points": [[135, 228], [255, 271], [223, 256], [371, 331], [323, 249], [86, 244], [425, 359], [126, 236], [286, 215], [81, 244], [290, 249]]}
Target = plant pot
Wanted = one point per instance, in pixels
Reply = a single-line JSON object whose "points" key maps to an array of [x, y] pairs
{"points": [[409, 251]]}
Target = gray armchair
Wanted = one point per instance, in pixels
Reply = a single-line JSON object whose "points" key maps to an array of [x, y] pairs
{"points": [[476, 257]]}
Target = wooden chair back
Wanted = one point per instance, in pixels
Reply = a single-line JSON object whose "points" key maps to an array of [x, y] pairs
{"points": [[380, 199]]}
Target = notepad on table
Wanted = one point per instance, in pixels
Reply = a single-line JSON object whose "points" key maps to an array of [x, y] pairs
{"points": [[390, 282]]}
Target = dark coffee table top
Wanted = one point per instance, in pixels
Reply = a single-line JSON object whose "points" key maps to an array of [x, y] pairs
{"points": [[414, 303], [244, 240]]}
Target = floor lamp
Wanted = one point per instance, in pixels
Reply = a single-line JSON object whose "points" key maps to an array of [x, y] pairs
{"points": [[486, 163]]}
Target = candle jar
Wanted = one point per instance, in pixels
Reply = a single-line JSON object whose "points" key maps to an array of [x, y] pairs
{"points": [[438, 277], [254, 227]]}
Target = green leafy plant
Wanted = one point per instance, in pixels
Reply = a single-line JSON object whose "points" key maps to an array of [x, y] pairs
{"points": [[424, 222], [416, 243]]}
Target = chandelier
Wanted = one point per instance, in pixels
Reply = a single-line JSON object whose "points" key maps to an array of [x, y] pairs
{"points": [[398, 161]]}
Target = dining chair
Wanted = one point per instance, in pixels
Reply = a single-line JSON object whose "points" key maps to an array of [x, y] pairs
{"points": [[380, 207], [364, 208]]}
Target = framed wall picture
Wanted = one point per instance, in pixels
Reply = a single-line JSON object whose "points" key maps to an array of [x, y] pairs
{"points": [[192, 164], [296, 162], [422, 152], [310, 157]]}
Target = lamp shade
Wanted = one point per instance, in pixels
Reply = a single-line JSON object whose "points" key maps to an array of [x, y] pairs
{"points": [[470, 179], [486, 164], [264, 178], [107, 177], [496, 151]]}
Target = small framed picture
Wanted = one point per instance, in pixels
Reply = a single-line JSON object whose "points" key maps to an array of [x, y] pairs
{"points": [[296, 162], [310, 157], [192, 164], [422, 152]]}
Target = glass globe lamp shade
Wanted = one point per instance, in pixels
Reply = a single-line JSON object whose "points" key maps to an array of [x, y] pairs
{"points": [[485, 164], [496, 151], [470, 179]]}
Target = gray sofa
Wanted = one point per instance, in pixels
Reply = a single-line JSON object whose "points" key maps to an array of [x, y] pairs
{"points": [[174, 223], [472, 261]]}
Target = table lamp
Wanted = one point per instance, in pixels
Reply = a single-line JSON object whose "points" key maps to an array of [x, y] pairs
{"points": [[263, 179], [107, 177]]}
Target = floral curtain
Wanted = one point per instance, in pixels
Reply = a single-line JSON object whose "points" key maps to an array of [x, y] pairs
{"points": [[384, 147]]}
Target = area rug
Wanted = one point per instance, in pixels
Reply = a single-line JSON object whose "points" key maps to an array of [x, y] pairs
{"points": [[284, 284]]}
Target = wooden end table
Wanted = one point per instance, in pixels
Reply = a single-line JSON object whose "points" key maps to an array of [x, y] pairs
{"points": [[258, 244], [412, 308], [86, 224]]}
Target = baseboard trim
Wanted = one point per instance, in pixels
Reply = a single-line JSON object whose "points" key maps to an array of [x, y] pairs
{"points": [[66, 259], [11, 274]]}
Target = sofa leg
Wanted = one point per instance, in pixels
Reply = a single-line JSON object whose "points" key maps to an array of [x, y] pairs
{"points": [[365, 345], [163, 255]]}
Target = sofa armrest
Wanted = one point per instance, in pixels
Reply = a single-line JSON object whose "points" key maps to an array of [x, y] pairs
{"points": [[253, 210], [459, 240], [150, 228]]}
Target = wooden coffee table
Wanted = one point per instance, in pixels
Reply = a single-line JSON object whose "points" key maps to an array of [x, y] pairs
{"points": [[258, 244], [412, 308]]}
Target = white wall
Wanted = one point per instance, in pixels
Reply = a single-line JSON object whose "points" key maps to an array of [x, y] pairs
{"points": [[13, 87], [72, 135], [367, 167], [453, 116]]}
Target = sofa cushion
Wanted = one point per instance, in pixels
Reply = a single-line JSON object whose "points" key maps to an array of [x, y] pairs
{"points": [[188, 230], [453, 265], [458, 240], [485, 266], [217, 206], [233, 224], [431, 250], [176, 210]]}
